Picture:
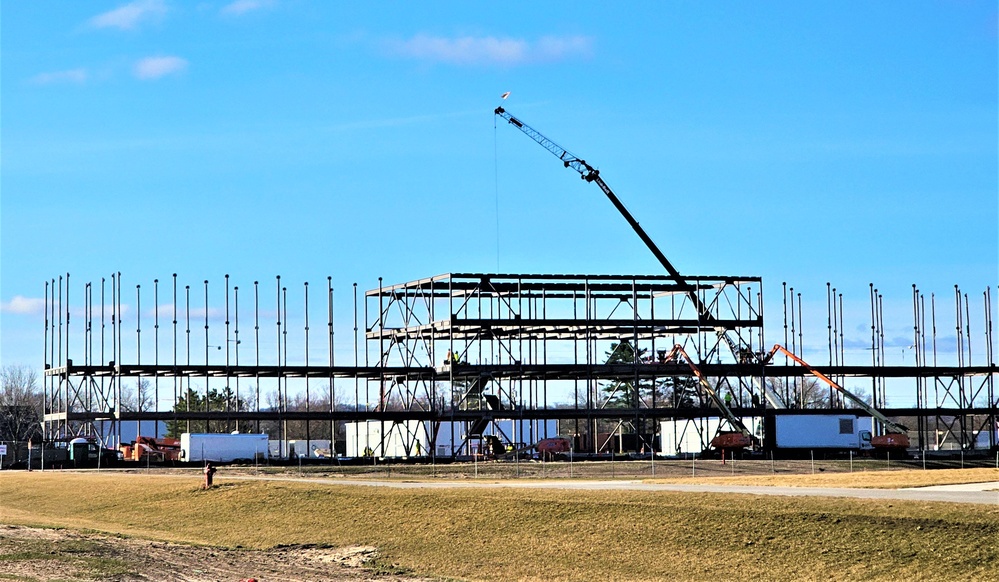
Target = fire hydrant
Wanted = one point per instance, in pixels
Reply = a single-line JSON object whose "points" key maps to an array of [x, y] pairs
{"points": [[209, 473]]}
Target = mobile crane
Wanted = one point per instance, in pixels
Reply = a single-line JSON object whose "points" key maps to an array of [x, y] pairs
{"points": [[741, 354], [895, 436]]}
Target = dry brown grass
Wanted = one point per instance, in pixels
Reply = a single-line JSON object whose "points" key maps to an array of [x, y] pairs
{"points": [[502, 534], [861, 479]]}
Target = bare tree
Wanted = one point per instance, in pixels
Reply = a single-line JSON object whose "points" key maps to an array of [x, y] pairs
{"points": [[138, 399], [20, 404], [809, 392], [313, 429]]}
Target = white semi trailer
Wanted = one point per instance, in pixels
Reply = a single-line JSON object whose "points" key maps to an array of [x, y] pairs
{"points": [[822, 431], [784, 432], [222, 448]]}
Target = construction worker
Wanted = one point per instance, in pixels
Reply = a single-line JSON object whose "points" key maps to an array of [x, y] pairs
{"points": [[728, 399]]}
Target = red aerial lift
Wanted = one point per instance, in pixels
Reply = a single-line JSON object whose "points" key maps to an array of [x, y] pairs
{"points": [[895, 436]]}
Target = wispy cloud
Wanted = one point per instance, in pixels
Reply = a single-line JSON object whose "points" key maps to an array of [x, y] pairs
{"points": [[130, 16], [55, 77], [156, 67], [23, 305], [240, 7], [490, 50]]}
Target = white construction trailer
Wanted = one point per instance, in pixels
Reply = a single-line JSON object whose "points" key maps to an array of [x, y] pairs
{"points": [[222, 447], [693, 436], [413, 438]]}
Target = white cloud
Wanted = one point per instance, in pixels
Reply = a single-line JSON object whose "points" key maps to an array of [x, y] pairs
{"points": [[240, 7], [23, 305], [70, 76], [472, 50], [129, 16], [156, 67]]}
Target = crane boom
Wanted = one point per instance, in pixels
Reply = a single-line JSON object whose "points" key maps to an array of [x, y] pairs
{"points": [[590, 174]]}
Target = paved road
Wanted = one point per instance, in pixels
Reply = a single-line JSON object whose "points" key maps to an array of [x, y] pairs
{"points": [[982, 493]]}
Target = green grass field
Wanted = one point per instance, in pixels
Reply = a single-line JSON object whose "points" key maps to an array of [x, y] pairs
{"points": [[503, 534]]}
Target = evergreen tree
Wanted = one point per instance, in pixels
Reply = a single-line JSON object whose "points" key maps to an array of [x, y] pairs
{"points": [[216, 401], [623, 393]]}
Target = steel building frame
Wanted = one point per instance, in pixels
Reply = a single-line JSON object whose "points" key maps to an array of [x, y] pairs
{"points": [[472, 349]]}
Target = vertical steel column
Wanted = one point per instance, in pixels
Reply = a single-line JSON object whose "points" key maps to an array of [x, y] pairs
{"points": [[332, 394], [67, 317], [357, 399], [920, 396], [208, 424], [367, 384], [256, 349], [138, 357], [874, 346], [961, 395], [936, 380], [115, 312], [238, 404], [591, 388], [382, 403], [801, 341], [829, 326], [46, 380], [654, 357], [177, 379], [87, 380], [228, 390], [575, 361], [283, 299], [187, 331], [156, 354], [308, 395]]}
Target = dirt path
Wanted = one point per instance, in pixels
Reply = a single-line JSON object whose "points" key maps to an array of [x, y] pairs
{"points": [[58, 554], [981, 493]]}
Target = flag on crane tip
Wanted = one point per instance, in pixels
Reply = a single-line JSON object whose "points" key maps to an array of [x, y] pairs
{"points": [[505, 95]]}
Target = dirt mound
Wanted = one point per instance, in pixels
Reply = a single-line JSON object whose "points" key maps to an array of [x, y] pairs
{"points": [[59, 554]]}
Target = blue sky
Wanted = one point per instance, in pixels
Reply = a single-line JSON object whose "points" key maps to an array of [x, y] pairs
{"points": [[800, 141]]}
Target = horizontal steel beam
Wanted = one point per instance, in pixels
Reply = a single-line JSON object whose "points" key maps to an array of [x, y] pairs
{"points": [[513, 414], [526, 371]]}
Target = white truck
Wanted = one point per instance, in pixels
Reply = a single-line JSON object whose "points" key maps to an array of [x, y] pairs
{"points": [[822, 431], [222, 447]]}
